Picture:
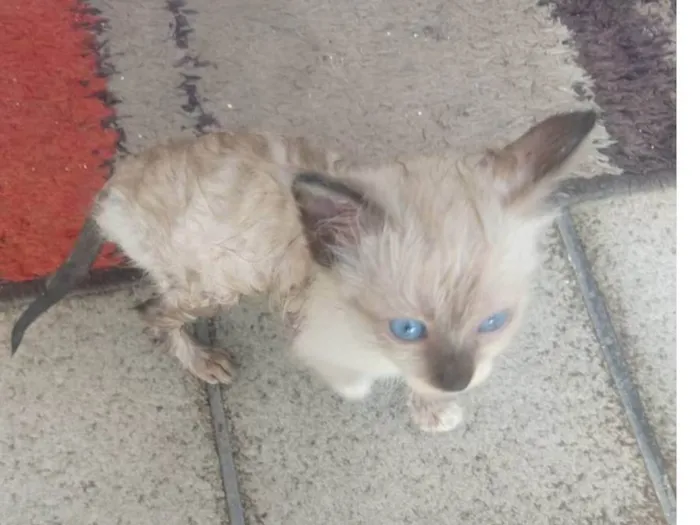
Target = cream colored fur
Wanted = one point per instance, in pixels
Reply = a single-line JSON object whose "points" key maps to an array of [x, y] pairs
{"points": [[447, 239]]}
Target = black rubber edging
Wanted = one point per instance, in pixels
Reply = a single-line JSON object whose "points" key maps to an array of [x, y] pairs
{"points": [[572, 192], [578, 190], [205, 332], [618, 366]]}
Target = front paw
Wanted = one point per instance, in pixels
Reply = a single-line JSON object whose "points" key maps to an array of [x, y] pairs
{"points": [[212, 365], [356, 391], [435, 416]]}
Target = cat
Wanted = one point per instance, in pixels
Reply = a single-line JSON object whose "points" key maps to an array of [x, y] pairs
{"points": [[417, 268]]}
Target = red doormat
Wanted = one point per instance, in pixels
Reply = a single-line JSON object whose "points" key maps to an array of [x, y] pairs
{"points": [[53, 144]]}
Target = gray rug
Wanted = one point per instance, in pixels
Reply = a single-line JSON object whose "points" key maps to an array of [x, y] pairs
{"points": [[377, 79]]}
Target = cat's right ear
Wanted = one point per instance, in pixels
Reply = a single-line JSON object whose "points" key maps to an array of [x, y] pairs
{"points": [[333, 213], [529, 167]]}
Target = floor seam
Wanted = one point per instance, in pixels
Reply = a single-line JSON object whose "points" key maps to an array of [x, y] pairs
{"points": [[602, 187], [617, 366], [205, 331]]}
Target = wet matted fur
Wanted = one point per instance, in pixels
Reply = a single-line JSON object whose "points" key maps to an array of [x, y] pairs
{"points": [[446, 243]]}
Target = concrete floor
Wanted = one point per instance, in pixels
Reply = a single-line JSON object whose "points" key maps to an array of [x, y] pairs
{"points": [[631, 244], [548, 414], [96, 426]]}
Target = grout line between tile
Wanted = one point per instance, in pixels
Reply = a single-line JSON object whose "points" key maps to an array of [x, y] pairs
{"points": [[603, 187], [205, 332], [225, 450], [618, 366]]}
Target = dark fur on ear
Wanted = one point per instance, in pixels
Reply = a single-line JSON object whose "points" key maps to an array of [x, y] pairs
{"points": [[530, 166], [333, 214]]}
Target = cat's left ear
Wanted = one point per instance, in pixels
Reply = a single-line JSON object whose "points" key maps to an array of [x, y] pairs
{"points": [[529, 167], [334, 214]]}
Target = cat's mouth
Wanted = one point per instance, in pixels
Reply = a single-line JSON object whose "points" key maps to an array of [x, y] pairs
{"points": [[430, 388]]}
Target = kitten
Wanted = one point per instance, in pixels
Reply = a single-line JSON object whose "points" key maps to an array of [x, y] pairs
{"points": [[418, 268]]}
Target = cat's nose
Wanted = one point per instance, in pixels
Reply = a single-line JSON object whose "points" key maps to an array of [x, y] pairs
{"points": [[452, 381], [453, 373]]}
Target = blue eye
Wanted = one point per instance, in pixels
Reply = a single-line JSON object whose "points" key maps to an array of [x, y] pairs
{"points": [[494, 323], [408, 329]]}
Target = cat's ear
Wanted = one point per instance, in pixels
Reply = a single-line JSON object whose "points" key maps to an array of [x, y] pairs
{"points": [[529, 167], [333, 213]]}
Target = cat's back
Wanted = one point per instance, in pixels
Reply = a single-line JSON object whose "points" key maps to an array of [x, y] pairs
{"points": [[221, 201], [216, 165]]}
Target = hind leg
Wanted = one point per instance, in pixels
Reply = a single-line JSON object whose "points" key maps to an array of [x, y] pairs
{"points": [[167, 316]]}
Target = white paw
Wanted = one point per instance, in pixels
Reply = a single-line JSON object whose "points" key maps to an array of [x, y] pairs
{"points": [[436, 416], [212, 366], [355, 391]]}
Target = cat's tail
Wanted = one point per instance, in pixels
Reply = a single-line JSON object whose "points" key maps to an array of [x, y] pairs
{"points": [[77, 266]]}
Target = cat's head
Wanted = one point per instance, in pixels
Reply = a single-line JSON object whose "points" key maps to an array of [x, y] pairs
{"points": [[435, 255]]}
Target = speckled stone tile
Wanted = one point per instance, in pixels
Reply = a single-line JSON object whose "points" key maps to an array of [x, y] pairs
{"points": [[545, 440], [631, 244], [97, 426]]}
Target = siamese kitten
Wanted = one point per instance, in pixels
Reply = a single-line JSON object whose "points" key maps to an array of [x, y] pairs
{"points": [[418, 268]]}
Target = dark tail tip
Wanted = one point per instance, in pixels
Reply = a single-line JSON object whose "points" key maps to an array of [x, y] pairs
{"points": [[17, 335], [40, 304], [78, 264]]}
